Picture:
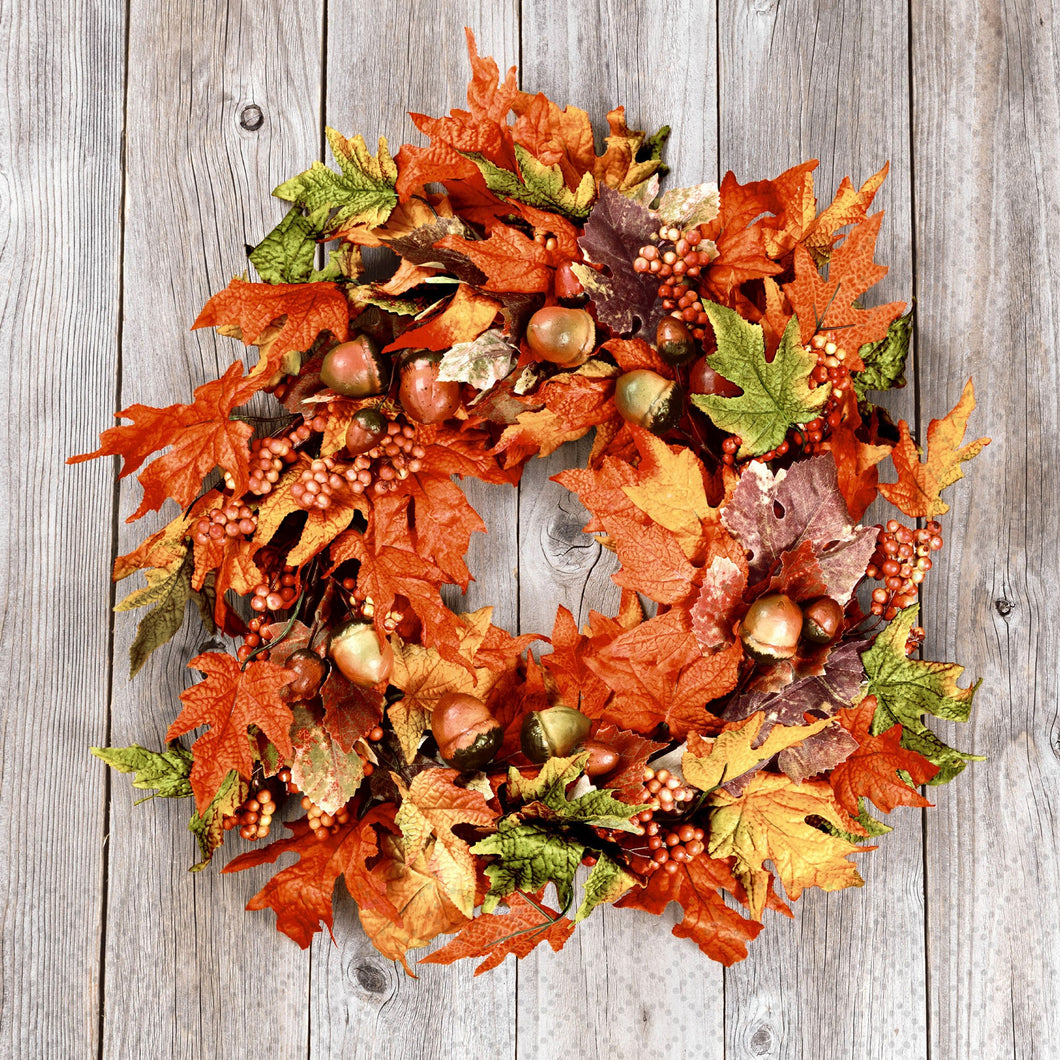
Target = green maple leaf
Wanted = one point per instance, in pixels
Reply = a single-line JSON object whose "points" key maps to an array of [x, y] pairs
{"points": [[208, 827], [362, 194], [606, 883], [776, 395], [167, 770], [885, 360], [906, 689], [170, 591], [539, 185], [549, 787], [531, 855], [287, 253]]}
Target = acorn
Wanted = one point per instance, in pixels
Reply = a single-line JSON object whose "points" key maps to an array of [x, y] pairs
{"points": [[355, 369], [645, 399], [674, 342], [821, 619], [564, 336], [568, 287], [367, 429], [702, 379], [467, 734], [771, 628], [555, 731], [361, 657], [602, 758], [424, 397], [309, 670]]}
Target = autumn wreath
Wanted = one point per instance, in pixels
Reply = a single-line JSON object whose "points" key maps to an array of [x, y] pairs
{"points": [[715, 340]]}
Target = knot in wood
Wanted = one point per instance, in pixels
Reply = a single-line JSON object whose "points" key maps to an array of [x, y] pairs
{"points": [[371, 978], [762, 1041], [1003, 607], [251, 117]]}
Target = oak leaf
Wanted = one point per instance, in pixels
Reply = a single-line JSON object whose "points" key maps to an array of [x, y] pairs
{"points": [[919, 484], [229, 701]]}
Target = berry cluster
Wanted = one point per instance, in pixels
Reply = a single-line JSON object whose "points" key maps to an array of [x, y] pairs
{"points": [[277, 593], [674, 848], [323, 824], [253, 816], [257, 631], [676, 261], [269, 456], [901, 560], [233, 520]]}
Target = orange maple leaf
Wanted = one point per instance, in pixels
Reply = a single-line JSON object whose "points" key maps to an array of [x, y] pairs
{"points": [[829, 305], [872, 769], [306, 309], [527, 924], [719, 931], [919, 484], [466, 316], [202, 436], [510, 260], [229, 701]]}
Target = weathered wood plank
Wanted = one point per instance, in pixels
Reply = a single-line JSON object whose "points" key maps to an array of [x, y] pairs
{"points": [[383, 61], [623, 986], [59, 263], [987, 152], [185, 973], [802, 80]]}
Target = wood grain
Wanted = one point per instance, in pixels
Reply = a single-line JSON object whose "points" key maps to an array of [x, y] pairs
{"points": [[182, 978], [360, 1004], [986, 120], [830, 81], [59, 275], [623, 986]]}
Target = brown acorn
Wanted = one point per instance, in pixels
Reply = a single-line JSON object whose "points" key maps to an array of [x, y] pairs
{"points": [[556, 731], [309, 670], [563, 336], [424, 397], [821, 619], [646, 399], [359, 654], [702, 379], [355, 369], [674, 342], [602, 758], [367, 429], [468, 736], [771, 628]]}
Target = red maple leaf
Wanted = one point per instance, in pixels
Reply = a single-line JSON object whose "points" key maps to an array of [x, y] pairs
{"points": [[872, 769], [229, 701], [719, 931], [494, 936], [350, 711], [510, 260], [306, 309], [580, 687], [829, 305]]}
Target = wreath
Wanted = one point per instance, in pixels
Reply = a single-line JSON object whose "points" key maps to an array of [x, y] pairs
{"points": [[758, 687]]}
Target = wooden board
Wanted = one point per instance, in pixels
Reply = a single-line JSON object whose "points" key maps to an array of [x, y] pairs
{"points": [[987, 145], [133, 168], [60, 279]]}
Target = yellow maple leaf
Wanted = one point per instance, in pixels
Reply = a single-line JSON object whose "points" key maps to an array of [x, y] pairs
{"points": [[769, 821], [670, 491], [430, 806], [919, 484], [709, 764]]}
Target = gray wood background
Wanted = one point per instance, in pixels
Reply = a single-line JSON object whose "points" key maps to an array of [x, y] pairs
{"points": [[129, 182]]}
